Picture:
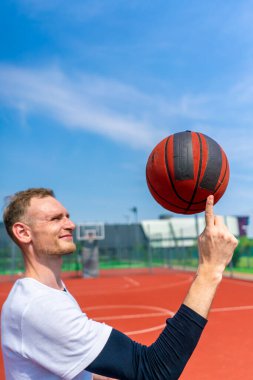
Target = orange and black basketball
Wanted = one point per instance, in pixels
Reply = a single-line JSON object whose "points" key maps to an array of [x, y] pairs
{"points": [[184, 168]]}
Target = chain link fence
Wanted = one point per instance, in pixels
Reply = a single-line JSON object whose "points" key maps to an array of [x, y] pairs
{"points": [[127, 247]]}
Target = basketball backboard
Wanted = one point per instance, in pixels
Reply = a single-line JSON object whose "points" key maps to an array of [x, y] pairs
{"points": [[90, 230]]}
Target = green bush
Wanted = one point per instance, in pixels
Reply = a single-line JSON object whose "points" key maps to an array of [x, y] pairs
{"points": [[244, 248]]}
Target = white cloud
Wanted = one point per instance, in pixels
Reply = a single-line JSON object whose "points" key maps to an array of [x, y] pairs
{"points": [[118, 111], [126, 114], [75, 104]]}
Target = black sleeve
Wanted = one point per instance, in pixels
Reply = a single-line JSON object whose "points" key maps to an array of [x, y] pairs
{"points": [[165, 359]]}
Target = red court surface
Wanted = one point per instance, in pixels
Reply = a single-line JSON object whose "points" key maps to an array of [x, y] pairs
{"points": [[138, 304]]}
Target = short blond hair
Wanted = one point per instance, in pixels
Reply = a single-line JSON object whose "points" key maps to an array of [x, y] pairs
{"points": [[18, 203]]}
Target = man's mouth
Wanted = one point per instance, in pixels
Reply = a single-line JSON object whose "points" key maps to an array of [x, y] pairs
{"points": [[67, 237]]}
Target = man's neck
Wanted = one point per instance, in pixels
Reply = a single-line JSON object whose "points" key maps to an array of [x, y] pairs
{"points": [[46, 271]]}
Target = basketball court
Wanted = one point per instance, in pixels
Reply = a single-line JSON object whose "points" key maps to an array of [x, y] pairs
{"points": [[139, 303]]}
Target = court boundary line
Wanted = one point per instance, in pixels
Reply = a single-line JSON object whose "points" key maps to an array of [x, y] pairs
{"points": [[161, 312], [231, 308], [126, 289]]}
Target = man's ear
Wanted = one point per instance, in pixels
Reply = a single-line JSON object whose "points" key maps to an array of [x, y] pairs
{"points": [[22, 232]]}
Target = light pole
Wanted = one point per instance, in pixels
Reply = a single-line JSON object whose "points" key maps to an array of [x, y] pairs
{"points": [[135, 212]]}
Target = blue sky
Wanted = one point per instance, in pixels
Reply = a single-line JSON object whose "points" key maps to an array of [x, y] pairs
{"points": [[88, 88]]}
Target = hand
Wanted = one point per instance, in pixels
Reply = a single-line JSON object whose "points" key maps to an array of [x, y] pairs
{"points": [[216, 244], [216, 247]]}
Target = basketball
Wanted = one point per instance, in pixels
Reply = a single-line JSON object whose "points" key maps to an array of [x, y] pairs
{"points": [[184, 168]]}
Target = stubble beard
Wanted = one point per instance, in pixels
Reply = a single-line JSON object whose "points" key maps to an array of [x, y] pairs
{"points": [[69, 251], [57, 251]]}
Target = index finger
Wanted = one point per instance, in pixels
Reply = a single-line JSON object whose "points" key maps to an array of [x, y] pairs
{"points": [[209, 215]]}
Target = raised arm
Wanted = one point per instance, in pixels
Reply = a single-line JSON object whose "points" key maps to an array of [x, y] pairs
{"points": [[166, 358]]}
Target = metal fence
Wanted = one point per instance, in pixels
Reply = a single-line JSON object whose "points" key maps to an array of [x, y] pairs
{"points": [[133, 251]]}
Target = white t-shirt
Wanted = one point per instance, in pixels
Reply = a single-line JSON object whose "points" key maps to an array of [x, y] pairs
{"points": [[46, 336]]}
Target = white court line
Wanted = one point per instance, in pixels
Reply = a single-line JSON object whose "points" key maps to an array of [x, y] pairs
{"points": [[145, 330], [165, 286], [231, 308], [160, 312], [133, 316], [146, 307], [132, 281], [137, 289]]}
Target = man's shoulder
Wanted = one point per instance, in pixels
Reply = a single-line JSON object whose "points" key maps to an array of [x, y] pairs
{"points": [[28, 288], [28, 293]]}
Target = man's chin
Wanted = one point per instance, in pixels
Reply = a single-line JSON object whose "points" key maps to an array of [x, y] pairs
{"points": [[68, 251], [65, 253], [60, 250]]}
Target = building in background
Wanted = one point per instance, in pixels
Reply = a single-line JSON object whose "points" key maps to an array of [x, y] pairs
{"points": [[157, 242]]}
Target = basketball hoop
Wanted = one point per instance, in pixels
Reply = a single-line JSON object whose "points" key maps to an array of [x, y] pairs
{"points": [[90, 231], [88, 234]]}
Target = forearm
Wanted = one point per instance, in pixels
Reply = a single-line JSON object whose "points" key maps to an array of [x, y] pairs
{"points": [[202, 291], [216, 246], [172, 350], [165, 359]]}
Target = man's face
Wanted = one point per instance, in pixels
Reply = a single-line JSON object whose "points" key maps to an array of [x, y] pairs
{"points": [[51, 227]]}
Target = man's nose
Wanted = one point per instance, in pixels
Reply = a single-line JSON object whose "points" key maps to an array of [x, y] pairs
{"points": [[69, 224]]}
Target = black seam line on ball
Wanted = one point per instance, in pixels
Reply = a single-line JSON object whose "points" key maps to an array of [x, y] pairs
{"points": [[199, 172], [165, 200], [221, 182], [168, 173], [181, 209], [213, 167]]}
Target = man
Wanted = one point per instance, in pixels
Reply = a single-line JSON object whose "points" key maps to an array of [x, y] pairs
{"points": [[45, 335]]}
